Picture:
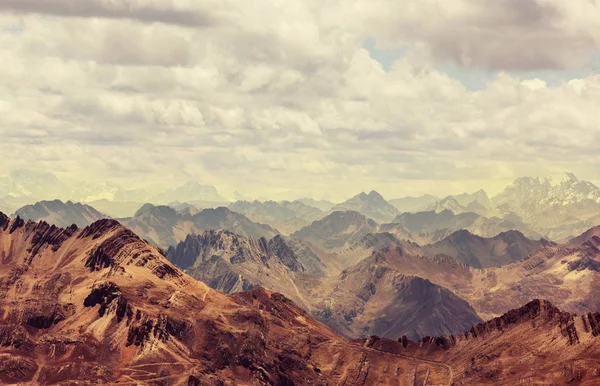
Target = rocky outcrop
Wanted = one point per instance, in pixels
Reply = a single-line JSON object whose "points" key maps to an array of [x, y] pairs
{"points": [[278, 247], [105, 306]]}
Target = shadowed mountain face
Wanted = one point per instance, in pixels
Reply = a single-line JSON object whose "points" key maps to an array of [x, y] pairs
{"points": [[534, 344], [163, 226], [569, 277], [101, 305], [472, 250], [431, 222], [286, 216], [479, 252], [365, 299], [370, 298], [231, 263], [371, 205], [337, 230], [60, 213]]}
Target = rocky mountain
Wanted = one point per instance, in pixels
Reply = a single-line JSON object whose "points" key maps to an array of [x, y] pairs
{"points": [[32, 183], [534, 344], [472, 250], [101, 305], [558, 207], [286, 216], [414, 204], [566, 276], [322, 205], [431, 223], [62, 214], [371, 205], [371, 299], [362, 300], [231, 263], [336, 231], [478, 252], [165, 227]]}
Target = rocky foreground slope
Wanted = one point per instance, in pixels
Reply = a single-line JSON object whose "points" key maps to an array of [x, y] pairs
{"points": [[101, 305]]}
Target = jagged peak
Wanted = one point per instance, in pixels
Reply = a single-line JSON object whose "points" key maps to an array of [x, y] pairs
{"points": [[375, 194]]}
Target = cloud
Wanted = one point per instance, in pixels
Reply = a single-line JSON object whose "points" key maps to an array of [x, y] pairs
{"points": [[169, 12], [284, 98], [497, 35]]}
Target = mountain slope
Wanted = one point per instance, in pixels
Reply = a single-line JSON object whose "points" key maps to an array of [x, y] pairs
{"points": [[285, 216], [370, 298], [568, 277], [231, 263], [479, 252], [366, 298], [61, 214], [414, 204], [337, 230], [165, 227], [101, 305], [371, 205], [533, 344], [431, 222]]}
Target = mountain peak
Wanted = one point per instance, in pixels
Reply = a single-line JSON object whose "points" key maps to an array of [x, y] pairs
{"points": [[376, 195]]}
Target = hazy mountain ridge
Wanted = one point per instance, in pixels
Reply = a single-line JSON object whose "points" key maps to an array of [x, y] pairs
{"points": [[165, 227], [286, 216], [371, 205], [61, 214]]}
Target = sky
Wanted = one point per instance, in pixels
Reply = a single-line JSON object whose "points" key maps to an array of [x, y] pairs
{"points": [[290, 98]]}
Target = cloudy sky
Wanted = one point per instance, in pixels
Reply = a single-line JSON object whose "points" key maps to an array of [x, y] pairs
{"points": [[288, 98]]}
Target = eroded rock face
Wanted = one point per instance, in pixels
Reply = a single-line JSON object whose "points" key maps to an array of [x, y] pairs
{"points": [[101, 305]]}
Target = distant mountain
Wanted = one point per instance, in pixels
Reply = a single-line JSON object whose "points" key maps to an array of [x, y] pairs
{"points": [[565, 275], [323, 205], [372, 205], [479, 252], [557, 207], [116, 209], [32, 183], [61, 214], [470, 249], [286, 216], [189, 192], [337, 231], [163, 226], [529, 194], [414, 204], [427, 223]]}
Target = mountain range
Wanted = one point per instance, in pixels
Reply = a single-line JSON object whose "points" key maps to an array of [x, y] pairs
{"points": [[164, 226], [61, 214], [101, 304]]}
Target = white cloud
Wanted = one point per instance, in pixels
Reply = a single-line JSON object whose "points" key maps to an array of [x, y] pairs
{"points": [[281, 96]]}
